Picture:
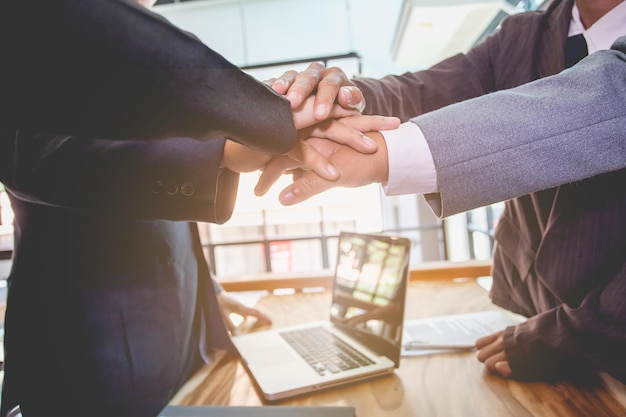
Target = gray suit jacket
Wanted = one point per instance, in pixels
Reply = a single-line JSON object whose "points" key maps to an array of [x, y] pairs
{"points": [[553, 131], [527, 129], [559, 256]]}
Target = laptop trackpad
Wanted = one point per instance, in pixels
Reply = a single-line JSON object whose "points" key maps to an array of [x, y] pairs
{"points": [[270, 356]]}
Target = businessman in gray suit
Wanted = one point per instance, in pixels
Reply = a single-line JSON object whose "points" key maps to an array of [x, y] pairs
{"points": [[554, 149]]}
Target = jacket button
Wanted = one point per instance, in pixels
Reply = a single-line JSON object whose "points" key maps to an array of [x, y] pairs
{"points": [[187, 189], [171, 187], [156, 187]]}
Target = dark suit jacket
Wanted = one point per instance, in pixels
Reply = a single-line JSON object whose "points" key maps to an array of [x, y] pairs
{"points": [[112, 69], [559, 255], [104, 311], [106, 306]]}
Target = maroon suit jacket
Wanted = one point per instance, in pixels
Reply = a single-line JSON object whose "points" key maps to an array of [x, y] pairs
{"points": [[559, 257]]}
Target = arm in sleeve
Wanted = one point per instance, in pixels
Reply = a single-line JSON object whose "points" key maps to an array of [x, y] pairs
{"points": [[560, 341], [112, 69], [581, 264], [172, 179], [550, 132], [407, 95], [489, 66]]}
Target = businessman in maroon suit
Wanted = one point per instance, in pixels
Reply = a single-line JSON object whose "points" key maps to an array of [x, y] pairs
{"points": [[559, 256]]}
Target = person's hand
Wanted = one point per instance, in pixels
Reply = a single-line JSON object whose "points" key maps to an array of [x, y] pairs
{"points": [[239, 158], [306, 123], [355, 169], [228, 305], [308, 183], [328, 84], [490, 351], [346, 131], [303, 114]]}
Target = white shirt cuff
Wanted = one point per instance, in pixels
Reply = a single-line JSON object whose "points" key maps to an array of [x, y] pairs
{"points": [[411, 166]]}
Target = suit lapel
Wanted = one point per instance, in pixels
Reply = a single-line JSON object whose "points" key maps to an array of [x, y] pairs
{"points": [[552, 47]]}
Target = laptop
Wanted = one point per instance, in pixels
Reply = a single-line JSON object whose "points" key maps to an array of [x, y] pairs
{"points": [[364, 330]]}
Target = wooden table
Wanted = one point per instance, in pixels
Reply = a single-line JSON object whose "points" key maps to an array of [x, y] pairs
{"points": [[446, 385]]}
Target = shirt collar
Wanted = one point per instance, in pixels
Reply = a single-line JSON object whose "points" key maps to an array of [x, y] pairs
{"points": [[602, 33]]}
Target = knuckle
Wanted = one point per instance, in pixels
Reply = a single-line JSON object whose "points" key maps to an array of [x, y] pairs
{"points": [[306, 185]]}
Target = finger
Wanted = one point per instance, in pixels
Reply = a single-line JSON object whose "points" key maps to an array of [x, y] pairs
{"points": [[490, 350], [504, 368], [314, 160], [282, 83], [304, 84], [229, 324], [272, 172], [490, 363], [487, 352], [327, 92], [351, 97], [303, 116], [341, 133], [486, 340], [371, 123], [261, 317], [303, 188]]}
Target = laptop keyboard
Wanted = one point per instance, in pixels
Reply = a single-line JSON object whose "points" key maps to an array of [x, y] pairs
{"points": [[324, 351]]}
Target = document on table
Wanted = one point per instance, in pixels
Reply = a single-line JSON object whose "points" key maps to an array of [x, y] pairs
{"points": [[452, 333]]}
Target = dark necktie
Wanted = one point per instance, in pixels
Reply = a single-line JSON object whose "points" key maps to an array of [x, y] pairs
{"points": [[575, 50]]}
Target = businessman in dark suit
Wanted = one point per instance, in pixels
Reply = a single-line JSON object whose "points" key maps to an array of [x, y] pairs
{"points": [[111, 306], [559, 257], [108, 315]]}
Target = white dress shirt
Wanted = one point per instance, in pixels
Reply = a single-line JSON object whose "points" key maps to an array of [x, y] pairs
{"points": [[411, 166]]}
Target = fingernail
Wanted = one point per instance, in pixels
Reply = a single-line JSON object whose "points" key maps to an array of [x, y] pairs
{"points": [[332, 170], [288, 197], [369, 142], [348, 92], [360, 106]]}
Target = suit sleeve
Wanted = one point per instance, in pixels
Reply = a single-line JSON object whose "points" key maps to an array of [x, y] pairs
{"points": [[556, 342], [111, 69], [581, 264], [455, 79], [553, 131], [172, 179]]}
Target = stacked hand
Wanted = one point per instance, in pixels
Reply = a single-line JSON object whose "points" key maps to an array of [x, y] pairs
{"points": [[332, 150], [324, 129], [332, 85]]}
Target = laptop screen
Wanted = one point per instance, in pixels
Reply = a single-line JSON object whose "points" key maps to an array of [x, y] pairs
{"points": [[370, 289]]}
